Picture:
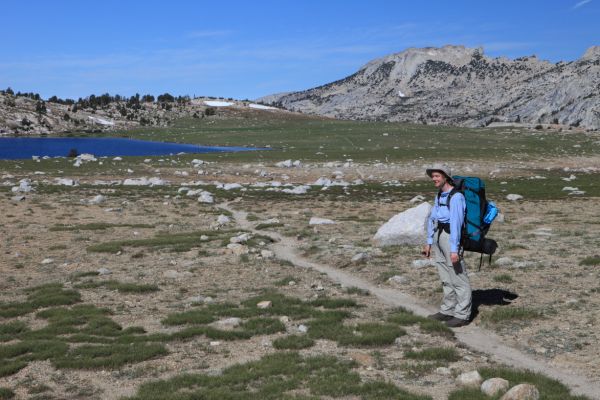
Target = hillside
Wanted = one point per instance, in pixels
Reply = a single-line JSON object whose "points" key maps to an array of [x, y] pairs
{"points": [[28, 114], [460, 86]]}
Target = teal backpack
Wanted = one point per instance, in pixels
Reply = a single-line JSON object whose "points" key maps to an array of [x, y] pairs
{"points": [[479, 215]]}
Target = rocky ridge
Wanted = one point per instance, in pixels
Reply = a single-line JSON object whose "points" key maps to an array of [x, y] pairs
{"points": [[27, 115], [456, 85]]}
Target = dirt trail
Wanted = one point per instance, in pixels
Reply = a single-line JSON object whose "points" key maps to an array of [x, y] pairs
{"points": [[476, 338]]}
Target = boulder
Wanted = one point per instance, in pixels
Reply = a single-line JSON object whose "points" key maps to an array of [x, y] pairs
{"points": [[469, 379], [494, 386], [407, 227], [523, 391], [206, 197]]}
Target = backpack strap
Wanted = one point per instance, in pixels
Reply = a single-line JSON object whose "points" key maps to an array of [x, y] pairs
{"points": [[454, 190]]}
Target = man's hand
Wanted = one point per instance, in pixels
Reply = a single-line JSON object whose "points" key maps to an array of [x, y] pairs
{"points": [[454, 258], [427, 251]]}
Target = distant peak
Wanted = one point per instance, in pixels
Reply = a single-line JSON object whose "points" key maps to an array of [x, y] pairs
{"points": [[592, 53]]}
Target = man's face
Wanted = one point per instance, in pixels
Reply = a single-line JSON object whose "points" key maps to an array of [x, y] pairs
{"points": [[438, 179]]}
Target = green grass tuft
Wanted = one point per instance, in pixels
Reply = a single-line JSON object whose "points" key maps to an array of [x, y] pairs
{"points": [[108, 356], [503, 278], [293, 342], [6, 394], [590, 261], [274, 377], [122, 287], [502, 314]]}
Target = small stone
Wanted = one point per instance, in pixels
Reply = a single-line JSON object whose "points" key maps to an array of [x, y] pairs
{"points": [[103, 271], [514, 197], [443, 371], [99, 199], [47, 261], [208, 300], [266, 254], [238, 249], [417, 264], [320, 221], [417, 199], [494, 386], [523, 391], [363, 359], [264, 304], [17, 199], [203, 238], [171, 274], [504, 262], [471, 379], [223, 219], [215, 343], [243, 238], [284, 319], [302, 328], [229, 322], [360, 258], [399, 279]]}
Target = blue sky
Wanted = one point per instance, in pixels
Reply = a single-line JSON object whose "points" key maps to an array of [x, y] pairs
{"points": [[247, 49]]}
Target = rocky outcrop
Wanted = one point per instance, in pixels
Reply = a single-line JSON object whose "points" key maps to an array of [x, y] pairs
{"points": [[460, 86]]}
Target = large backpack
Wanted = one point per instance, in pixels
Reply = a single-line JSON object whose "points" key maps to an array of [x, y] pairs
{"points": [[479, 214]]}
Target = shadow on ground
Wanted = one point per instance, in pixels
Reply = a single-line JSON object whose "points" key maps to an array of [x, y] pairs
{"points": [[490, 297]]}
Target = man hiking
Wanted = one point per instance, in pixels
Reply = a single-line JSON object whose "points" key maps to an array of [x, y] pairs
{"points": [[444, 228]]}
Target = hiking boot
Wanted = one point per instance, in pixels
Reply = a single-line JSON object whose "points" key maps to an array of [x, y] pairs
{"points": [[456, 322], [440, 317]]}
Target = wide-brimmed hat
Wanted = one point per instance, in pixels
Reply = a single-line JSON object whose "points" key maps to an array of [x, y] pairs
{"points": [[443, 168]]}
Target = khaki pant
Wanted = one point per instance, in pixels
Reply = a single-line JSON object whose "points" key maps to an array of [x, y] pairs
{"points": [[455, 281]]}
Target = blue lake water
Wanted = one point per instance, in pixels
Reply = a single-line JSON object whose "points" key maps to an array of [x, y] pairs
{"points": [[20, 148]]}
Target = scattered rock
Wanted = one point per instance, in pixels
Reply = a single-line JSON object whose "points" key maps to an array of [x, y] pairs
{"points": [[363, 359], [494, 386], [172, 274], [99, 199], [417, 199], [360, 258], [471, 379], [206, 197], [264, 304], [243, 238], [237, 248], [504, 262], [399, 279], [103, 271], [523, 391], [320, 221], [223, 219], [514, 197], [229, 322], [266, 254], [427, 262], [407, 227], [443, 371], [66, 182]]}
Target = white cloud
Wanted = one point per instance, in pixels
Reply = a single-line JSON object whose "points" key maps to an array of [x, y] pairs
{"points": [[581, 4]]}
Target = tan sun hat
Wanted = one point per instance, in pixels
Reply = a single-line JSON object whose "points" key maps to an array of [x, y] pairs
{"points": [[438, 167]]}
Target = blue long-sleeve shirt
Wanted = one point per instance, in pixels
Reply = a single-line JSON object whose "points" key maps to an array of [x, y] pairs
{"points": [[455, 214]]}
